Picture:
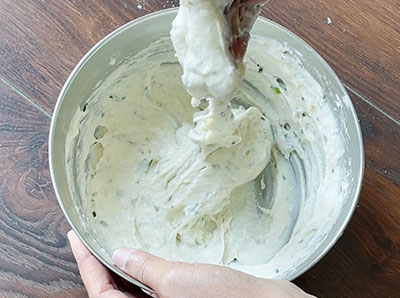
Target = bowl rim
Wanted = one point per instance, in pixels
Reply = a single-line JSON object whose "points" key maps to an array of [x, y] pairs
{"points": [[174, 10]]}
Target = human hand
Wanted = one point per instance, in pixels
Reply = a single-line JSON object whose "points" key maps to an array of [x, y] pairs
{"points": [[98, 280], [174, 279]]}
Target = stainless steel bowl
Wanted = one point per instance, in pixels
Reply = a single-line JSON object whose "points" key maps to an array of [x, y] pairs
{"points": [[137, 35]]}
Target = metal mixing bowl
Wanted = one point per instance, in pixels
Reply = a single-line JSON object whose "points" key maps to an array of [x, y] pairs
{"points": [[137, 35]]}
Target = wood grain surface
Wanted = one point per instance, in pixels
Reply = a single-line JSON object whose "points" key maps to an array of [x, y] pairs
{"points": [[42, 40], [35, 260]]}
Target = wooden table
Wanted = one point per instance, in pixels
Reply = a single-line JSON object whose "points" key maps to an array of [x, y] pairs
{"points": [[41, 41]]}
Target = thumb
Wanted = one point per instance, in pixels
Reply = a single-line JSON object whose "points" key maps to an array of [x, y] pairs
{"points": [[142, 266]]}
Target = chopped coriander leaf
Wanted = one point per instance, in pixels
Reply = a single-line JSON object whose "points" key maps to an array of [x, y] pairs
{"points": [[276, 89], [281, 83], [260, 69], [84, 107]]}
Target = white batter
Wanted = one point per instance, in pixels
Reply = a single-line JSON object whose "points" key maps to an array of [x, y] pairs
{"points": [[200, 37], [158, 174]]}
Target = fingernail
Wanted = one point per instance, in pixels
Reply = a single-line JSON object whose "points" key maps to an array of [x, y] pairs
{"points": [[121, 256], [69, 234], [151, 294]]}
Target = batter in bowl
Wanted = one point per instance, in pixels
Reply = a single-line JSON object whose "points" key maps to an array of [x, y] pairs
{"points": [[241, 178]]}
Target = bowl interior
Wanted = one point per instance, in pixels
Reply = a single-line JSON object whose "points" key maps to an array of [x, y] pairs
{"points": [[137, 35]]}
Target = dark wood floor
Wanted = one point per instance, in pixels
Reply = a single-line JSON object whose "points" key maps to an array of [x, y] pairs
{"points": [[42, 40]]}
